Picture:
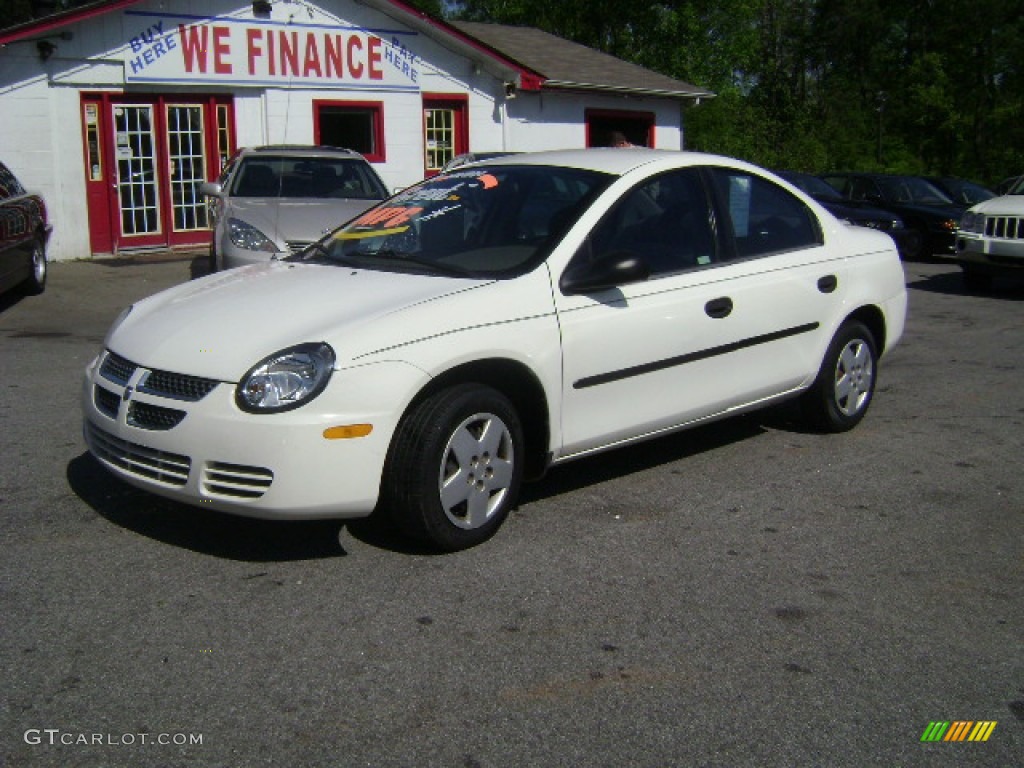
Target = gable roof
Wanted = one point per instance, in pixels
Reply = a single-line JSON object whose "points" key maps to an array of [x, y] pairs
{"points": [[567, 65], [529, 58]]}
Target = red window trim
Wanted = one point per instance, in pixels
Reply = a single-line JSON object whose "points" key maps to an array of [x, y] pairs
{"points": [[379, 155], [460, 103]]}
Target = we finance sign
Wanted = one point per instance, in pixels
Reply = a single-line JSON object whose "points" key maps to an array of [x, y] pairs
{"points": [[167, 48]]}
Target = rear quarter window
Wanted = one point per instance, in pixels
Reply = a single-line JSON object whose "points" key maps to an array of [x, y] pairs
{"points": [[762, 217]]}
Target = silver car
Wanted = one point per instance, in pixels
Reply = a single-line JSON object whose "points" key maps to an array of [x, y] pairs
{"points": [[274, 201]]}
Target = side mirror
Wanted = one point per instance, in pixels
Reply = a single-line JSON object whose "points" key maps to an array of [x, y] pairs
{"points": [[608, 271], [210, 189]]}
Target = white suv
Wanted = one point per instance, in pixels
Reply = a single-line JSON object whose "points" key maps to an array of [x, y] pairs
{"points": [[991, 239]]}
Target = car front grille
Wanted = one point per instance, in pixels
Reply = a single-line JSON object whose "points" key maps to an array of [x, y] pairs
{"points": [[148, 463], [147, 416], [113, 397], [107, 402], [236, 481], [177, 386], [117, 369], [1008, 227], [141, 415]]}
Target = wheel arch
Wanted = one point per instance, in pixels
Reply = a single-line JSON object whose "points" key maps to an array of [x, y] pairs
{"points": [[521, 386], [874, 319]]}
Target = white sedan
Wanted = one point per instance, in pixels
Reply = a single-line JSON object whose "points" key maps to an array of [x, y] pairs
{"points": [[489, 323]]}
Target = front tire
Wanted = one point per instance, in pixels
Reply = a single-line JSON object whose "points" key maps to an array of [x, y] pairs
{"points": [[845, 384], [455, 467], [36, 281], [914, 246]]}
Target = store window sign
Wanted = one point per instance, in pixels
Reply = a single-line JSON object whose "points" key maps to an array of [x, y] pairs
{"points": [[231, 51]]}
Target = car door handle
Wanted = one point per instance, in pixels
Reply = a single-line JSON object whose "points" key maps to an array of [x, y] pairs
{"points": [[718, 308], [828, 283]]}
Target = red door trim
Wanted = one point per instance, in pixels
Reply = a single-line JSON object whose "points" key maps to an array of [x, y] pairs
{"points": [[459, 102], [103, 204]]}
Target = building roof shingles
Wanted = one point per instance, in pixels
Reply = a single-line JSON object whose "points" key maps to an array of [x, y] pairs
{"points": [[565, 64]]}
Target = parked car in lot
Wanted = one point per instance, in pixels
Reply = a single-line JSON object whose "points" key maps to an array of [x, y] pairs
{"points": [[991, 239], [275, 200], [962, 192], [927, 212], [24, 232], [489, 323], [854, 211]]}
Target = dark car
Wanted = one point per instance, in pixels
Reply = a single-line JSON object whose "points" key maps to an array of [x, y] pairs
{"points": [[962, 192], [853, 211], [1004, 186], [931, 218], [24, 231]]}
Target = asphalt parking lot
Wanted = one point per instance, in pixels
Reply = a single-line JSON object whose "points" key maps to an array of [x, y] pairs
{"points": [[745, 594]]}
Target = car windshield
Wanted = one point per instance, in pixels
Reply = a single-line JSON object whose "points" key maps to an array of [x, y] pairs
{"points": [[907, 189], [968, 193], [813, 186], [306, 177], [490, 221], [1018, 187]]}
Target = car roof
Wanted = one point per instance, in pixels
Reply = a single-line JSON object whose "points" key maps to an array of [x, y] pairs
{"points": [[614, 160], [874, 175], [302, 150]]}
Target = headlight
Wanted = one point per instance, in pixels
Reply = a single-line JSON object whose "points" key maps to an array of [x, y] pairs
{"points": [[286, 379], [971, 222], [246, 236]]}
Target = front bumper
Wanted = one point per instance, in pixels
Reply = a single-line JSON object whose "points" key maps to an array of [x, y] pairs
{"points": [[988, 253], [940, 243], [209, 453]]}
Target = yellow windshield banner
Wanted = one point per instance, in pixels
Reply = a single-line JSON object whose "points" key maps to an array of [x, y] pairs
{"points": [[362, 234]]}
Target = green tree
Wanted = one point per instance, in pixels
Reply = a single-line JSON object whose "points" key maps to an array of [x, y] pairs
{"points": [[922, 86]]}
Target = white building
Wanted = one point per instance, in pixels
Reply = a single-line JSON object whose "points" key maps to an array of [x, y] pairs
{"points": [[117, 110]]}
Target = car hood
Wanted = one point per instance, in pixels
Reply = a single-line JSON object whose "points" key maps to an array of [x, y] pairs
{"points": [[295, 219], [854, 209], [220, 326], [1007, 205], [928, 211]]}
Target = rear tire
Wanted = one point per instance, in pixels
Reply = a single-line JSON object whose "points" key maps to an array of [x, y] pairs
{"points": [[455, 466], [845, 384]]}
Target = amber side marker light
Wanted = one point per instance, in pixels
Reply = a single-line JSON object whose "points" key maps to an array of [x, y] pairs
{"points": [[348, 431]]}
